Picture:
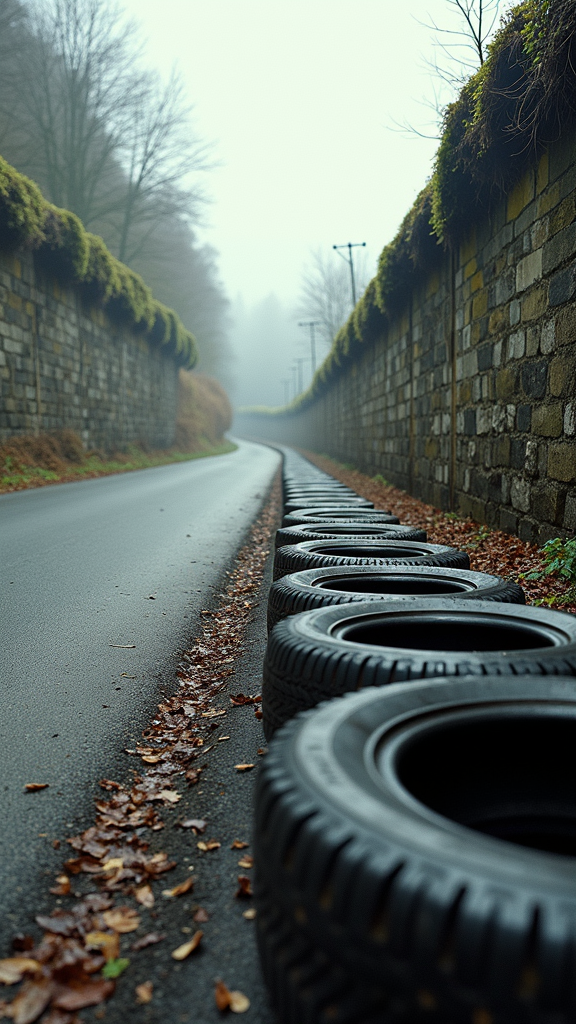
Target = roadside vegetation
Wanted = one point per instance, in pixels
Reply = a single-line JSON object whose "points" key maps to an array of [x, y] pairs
{"points": [[204, 415]]}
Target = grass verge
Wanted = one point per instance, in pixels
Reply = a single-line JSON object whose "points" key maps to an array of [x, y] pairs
{"points": [[54, 459]]}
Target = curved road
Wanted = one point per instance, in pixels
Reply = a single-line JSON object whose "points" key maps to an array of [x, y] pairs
{"points": [[125, 560]]}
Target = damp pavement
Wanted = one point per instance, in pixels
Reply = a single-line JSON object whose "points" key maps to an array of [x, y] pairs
{"points": [[101, 587]]}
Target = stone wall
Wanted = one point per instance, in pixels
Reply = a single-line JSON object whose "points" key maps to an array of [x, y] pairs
{"points": [[65, 365], [468, 400]]}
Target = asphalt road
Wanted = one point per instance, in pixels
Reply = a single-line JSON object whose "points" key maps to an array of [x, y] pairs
{"points": [[126, 560]]}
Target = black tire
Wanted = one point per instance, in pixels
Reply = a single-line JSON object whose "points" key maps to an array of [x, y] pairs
{"points": [[328, 515], [341, 531], [310, 554], [386, 892], [292, 505], [331, 651], [319, 588]]}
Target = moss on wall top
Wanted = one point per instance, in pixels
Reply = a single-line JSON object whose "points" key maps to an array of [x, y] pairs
{"points": [[522, 98], [63, 248]]}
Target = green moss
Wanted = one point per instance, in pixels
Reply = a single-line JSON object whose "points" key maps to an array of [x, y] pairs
{"points": [[65, 250]]}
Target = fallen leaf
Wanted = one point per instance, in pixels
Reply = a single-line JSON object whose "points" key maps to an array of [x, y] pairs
{"points": [[123, 647], [31, 1001], [152, 758], [122, 919], [14, 968], [147, 940], [113, 864], [179, 890], [196, 823], [212, 844], [63, 887], [201, 916], [258, 713], [213, 714], [250, 914], [114, 968], [262, 751], [188, 947], [169, 796], [239, 699], [108, 942], [239, 1003], [144, 895], [244, 886], [33, 787], [144, 992], [230, 1000], [246, 862], [239, 845], [243, 767], [222, 738], [86, 993], [21, 942]]}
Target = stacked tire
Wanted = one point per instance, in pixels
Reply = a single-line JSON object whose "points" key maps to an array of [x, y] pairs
{"points": [[415, 834]]}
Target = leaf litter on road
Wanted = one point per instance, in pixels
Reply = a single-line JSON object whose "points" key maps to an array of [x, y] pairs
{"points": [[79, 955]]}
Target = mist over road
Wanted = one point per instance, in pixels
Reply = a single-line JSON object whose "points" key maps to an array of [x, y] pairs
{"points": [[122, 560]]}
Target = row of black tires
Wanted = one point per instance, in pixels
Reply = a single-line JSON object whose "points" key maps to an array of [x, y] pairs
{"points": [[415, 844]]}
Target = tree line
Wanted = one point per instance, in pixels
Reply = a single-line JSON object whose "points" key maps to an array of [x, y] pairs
{"points": [[103, 136]]}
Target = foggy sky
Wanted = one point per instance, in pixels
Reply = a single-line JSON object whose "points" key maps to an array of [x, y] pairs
{"points": [[300, 97]]}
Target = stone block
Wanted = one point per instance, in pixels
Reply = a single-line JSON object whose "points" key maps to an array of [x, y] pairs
{"points": [[547, 420], [520, 494], [562, 461], [529, 270], [517, 455], [534, 304], [570, 419], [508, 521], [534, 378], [516, 345], [562, 373], [470, 422], [569, 522], [559, 249], [565, 326], [561, 286], [548, 503], [506, 383], [484, 356]]}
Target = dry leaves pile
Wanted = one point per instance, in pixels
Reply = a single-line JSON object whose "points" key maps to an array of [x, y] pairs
{"points": [[491, 551], [76, 961]]}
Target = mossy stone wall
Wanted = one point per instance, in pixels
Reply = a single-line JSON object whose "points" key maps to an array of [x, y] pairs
{"points": [[467, 399], [66, 365]]}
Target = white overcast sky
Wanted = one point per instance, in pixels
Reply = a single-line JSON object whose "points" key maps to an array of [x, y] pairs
{"points": [[299, 97]]}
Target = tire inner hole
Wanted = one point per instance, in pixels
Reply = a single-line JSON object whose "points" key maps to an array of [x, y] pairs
{"points": [[457, 632], [399, 585], [510, 777], [374, 551]]}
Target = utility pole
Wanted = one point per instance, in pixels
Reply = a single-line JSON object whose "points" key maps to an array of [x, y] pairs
{"points": [[311, 324], [286, 383], [299, 363], [349, 260]]}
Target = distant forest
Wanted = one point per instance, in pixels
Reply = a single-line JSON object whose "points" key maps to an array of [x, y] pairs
{"points": [[104, 137]]}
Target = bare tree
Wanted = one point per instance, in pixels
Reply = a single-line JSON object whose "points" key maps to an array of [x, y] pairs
{"points": [[325, 290], [458, 52]]}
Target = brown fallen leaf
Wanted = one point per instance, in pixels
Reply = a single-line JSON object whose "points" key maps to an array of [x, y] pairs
{"points": [[144, 992], [180, 889], [230, 1000], [33, 787], [108, 942], [147, 940], [21, 943], [85, 993], [55, 1016], [238, 844], [144, 895], [243, 767], [250, 914], [212, 844], [63, 886], [152, 758], [122, 919], [201, 916], [246, 862], [31, 1001], [198, 824], [258, 713], [239, 699], [113, 864], [188, 947], [14, 968], [244, 886]]}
